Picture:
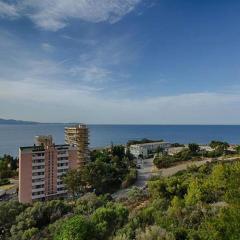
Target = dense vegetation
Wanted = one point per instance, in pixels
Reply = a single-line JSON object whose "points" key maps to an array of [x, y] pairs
{"points": [[201, 203], [193, 152], [8, 167], [108, 170]]}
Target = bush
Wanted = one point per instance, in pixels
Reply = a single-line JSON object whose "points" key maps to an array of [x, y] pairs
{"points": [[108, 219], [88, 203], [4, 181], [8, 213], [130, 178], [163, 161], [153, 233], [38, 216], [76, 228]]}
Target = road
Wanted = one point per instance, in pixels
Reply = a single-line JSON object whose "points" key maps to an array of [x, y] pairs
{"points": [[147, 170]]}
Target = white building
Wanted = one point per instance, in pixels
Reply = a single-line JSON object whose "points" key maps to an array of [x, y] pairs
{"points": [[144, 149], [174, 150], [206, 148]]}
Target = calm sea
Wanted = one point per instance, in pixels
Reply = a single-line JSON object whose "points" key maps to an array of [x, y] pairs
{"points": [[14, 136]]}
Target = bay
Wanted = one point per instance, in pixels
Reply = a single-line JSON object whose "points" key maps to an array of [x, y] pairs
{"points": [[14, 136]]}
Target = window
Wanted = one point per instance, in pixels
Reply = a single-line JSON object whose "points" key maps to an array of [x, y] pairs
{"points": [[38, 161], [38, 167], [38, 186], [37, 193], [38, 180], [62, 152], [38, 154], [62, 164], [37, 173], [62, 170]]}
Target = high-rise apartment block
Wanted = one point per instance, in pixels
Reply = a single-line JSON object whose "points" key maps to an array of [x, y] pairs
{"points": [[41, 168], [78, 136]]}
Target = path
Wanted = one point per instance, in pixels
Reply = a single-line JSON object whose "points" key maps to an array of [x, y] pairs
{"points": [[149, 170]]}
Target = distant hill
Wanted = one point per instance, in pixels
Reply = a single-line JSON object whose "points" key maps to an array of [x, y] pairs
{"points": [[19, 122]]}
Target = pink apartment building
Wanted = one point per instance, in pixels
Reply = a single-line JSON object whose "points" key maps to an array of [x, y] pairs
{"points": [[41, 167]]}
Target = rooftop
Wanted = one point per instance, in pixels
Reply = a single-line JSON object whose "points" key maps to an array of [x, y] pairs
{"points": [[152, 143]]}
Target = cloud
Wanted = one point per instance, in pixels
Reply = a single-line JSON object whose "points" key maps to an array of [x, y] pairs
{"points": [[47, 47], [75, 103], [55, 14], [98, 68], [91, 73], [8, 10]]}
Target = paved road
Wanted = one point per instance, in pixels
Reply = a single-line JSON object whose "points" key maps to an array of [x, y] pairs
{"points": [[149, 170], [145, 172]]}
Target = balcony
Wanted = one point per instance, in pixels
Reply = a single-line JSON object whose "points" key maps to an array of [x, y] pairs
{"points": [[62, 192], [38, 158], [38, 170], [38, 164], [62, 167], [61, 173], [38, 196], [38, 190], [38, 183], [38, 176]]}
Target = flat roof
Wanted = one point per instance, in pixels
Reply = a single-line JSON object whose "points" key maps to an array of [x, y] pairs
{"points": [[152, 143], [41, 148]]}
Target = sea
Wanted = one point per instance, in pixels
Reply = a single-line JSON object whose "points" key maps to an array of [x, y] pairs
{"points": [[14, 136]]}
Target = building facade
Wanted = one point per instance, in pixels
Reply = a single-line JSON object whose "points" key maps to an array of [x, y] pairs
{"points": [[145, 149], [41, 168], [78, 136]]}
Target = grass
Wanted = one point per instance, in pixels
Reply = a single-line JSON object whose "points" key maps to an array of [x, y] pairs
{"points": [[7, 187]]}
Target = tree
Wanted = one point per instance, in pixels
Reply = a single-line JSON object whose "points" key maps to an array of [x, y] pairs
{"points": [[163, 161], [35, 217], [8, 166], [130, 178], [118, 150], [193, 147], [159, 150], [194, 193], [101, 177], [223, 226], [218, 145], [129, 155], [76, 228], [8, 213], [238, 149], [89, 202], [154, 233], [108, 219], [73, 182]]}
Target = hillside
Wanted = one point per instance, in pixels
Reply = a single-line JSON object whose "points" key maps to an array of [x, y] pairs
{"points": [[16, 122], [199, 203]]}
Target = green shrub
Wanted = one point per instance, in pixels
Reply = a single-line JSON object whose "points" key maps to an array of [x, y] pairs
{"points": [[77, 228], [4, 181]]}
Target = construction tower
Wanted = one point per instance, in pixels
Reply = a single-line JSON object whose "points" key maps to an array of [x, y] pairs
{"points": [[78, 136]]}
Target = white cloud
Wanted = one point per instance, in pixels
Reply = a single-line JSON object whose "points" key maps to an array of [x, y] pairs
{"points": [[83, 103], [91, 73], [55, 14], [47, 47], [8, 10]]}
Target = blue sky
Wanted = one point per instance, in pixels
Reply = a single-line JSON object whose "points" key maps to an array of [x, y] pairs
{"points": [[120, 61]]}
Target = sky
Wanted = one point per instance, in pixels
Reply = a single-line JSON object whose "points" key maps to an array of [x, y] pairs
{"points": [[120, 61]]}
